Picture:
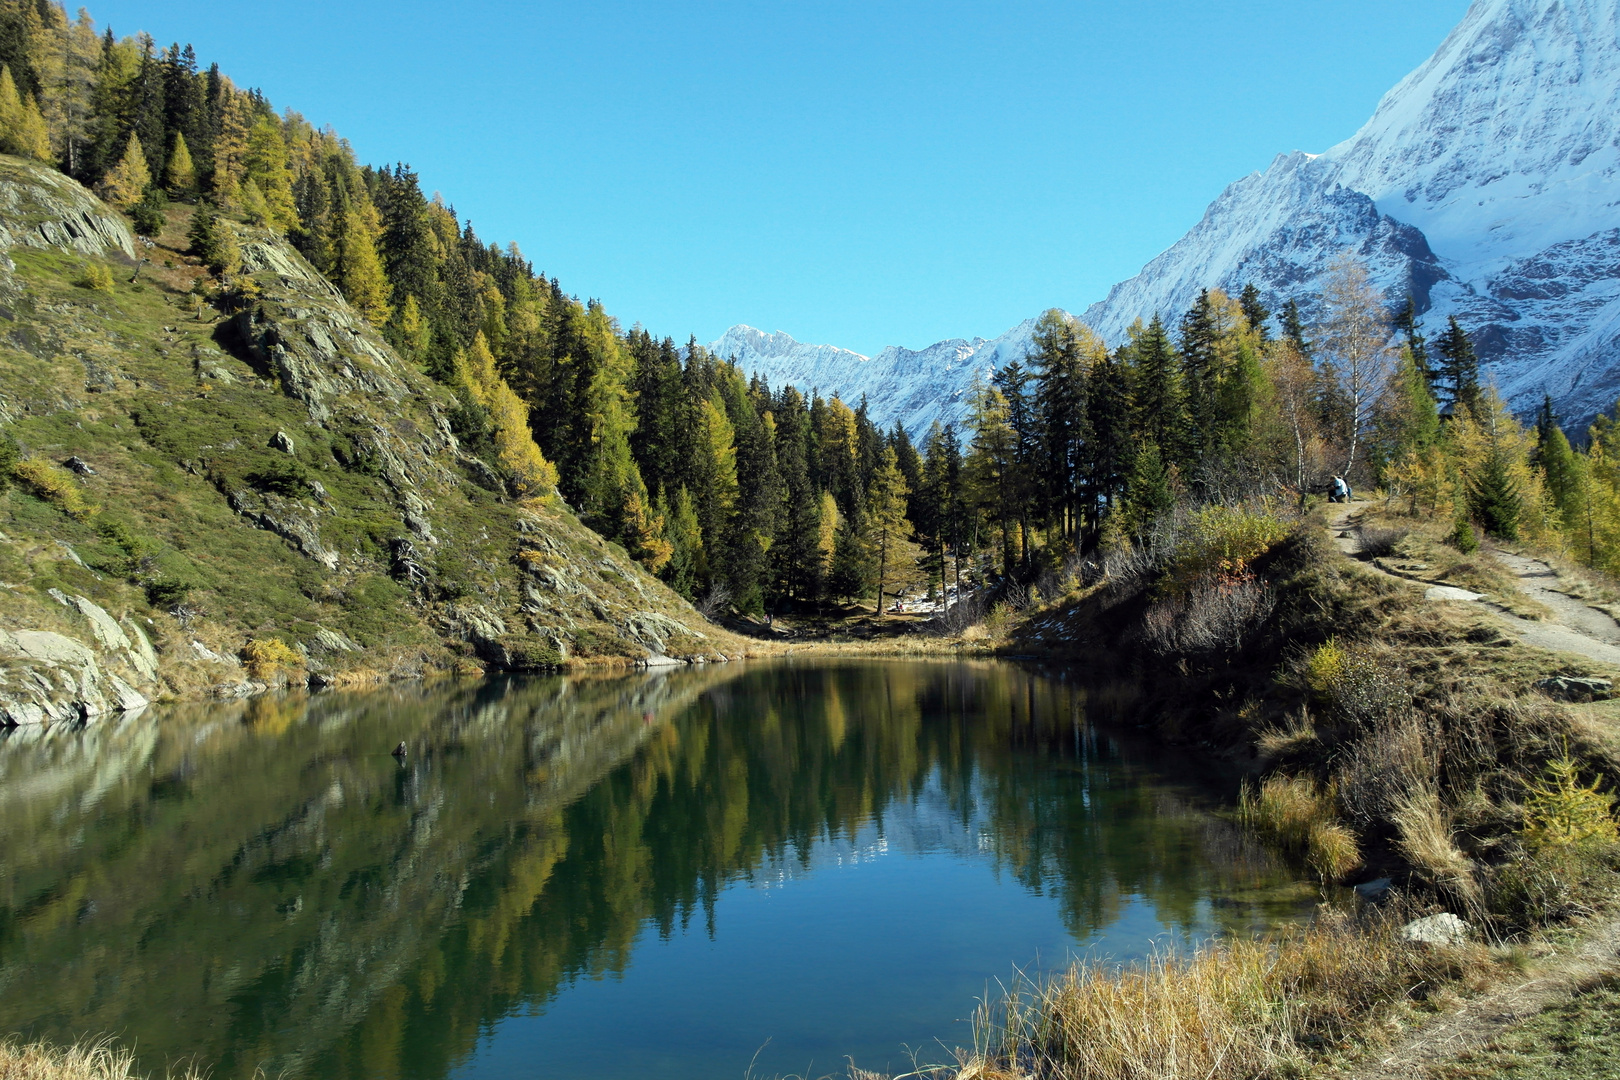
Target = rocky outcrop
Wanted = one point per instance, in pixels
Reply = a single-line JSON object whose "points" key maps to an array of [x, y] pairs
{"points": [[45, 675], [39, 208]]}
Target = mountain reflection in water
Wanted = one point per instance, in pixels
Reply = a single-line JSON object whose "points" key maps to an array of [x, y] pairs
{"points": [[259, 884]]}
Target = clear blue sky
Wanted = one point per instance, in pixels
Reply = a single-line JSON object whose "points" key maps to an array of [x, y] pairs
{"points": [[863, 174]]}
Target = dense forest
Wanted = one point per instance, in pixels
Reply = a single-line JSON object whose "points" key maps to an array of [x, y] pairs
{"points": [[747, 496]]}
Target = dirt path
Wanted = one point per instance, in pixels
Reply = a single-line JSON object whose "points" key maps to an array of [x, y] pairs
{"points": [[1576, 628]]}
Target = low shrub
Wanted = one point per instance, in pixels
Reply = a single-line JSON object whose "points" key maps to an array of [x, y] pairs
{"points": [[96, 276], [1356, 684], [1463, 537], [1216, 613], [1377, 543], [1232, 1010], [55, 486], [265, 657], [1424, 838], [1221, 542]]}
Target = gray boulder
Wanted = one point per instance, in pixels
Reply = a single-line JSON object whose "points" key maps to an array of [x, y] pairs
{"points": [[1442, 929]]}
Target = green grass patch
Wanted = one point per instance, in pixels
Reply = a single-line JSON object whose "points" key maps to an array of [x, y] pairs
{"points": [[1578, 1040]]}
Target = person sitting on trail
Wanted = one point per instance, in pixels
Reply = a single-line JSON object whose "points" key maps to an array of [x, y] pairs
{"points": [[1341, 491]]}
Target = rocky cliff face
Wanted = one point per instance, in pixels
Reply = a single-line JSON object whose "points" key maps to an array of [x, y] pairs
{"points": [[263, 467]]}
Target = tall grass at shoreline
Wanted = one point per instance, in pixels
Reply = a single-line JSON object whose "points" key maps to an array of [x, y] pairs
{"points": [[1230, 1010], [84, 1060]]}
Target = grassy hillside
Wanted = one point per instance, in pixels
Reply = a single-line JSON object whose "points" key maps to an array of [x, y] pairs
{"points": [[262, 487]]}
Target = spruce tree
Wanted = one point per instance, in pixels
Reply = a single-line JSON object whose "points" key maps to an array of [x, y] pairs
{"points": [[1255, 311], [1064, 349], [1495, 497], [1561, 466], [685, 540], [1108, 421], [1293, 329], [1156, 390], [1149, 494], [1406, 321], [1458, 374]]}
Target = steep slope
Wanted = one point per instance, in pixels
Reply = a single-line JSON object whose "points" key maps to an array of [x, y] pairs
{"points": [[911, 387], [1483, 185], [263, 468]]}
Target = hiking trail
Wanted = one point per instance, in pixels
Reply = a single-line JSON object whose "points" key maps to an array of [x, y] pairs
{"points": [[1577, 628]]}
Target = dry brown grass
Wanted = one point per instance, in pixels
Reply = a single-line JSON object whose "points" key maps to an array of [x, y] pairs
{"points": [[1231, 1010], [1297, 813], [99, 1060]]}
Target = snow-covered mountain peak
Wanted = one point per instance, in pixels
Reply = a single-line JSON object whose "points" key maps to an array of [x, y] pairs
{"points": [[1486, 185], [1505, 140]]}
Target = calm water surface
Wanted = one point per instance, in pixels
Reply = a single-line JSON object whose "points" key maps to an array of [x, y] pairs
{"points": [[658, 875]]}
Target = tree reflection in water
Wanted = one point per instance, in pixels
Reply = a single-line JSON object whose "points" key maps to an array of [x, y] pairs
{"points": [[260, 884]]}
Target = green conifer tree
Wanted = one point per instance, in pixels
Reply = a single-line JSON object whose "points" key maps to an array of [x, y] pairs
{"points": [[1458, 374], [1255, 311]]}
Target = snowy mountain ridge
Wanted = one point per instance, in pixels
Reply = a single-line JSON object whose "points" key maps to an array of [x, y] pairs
{"points": [[1486, 185], [910, 387]]}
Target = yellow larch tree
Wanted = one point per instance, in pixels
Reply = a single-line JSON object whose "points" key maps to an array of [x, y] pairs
{"points": [[126, 182]]}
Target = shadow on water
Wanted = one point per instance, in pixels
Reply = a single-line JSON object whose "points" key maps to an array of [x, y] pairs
{"points": [[260, 884]]}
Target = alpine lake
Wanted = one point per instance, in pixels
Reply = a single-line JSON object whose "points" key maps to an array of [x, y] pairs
{"points": [[751, 869]]}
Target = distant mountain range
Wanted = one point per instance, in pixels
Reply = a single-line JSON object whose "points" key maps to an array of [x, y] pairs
{"points": [[910, 387], [1486, 186]]}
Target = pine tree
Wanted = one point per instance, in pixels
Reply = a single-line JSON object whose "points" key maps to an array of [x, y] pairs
{"points": [[1156, 389], [129, 179]]}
